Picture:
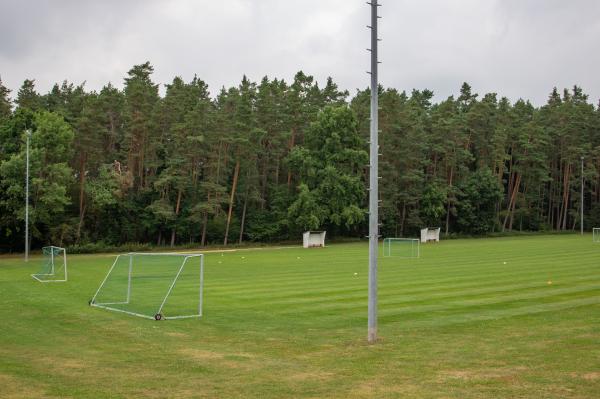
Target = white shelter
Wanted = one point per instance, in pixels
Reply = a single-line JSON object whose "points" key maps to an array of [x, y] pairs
{"points": [[430, 234], [313, 239]]}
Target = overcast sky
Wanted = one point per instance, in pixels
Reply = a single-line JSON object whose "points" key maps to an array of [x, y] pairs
{"points": [[516, 48]]}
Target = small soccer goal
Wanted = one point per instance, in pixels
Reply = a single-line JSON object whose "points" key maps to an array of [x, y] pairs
{"points": [[596, 234], [401, 247], [313, 239], [430, 234], [154, 286], [54, 266]]}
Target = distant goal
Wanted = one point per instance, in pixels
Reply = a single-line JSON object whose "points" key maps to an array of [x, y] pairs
{"points": [[596, 234], [430, 234], [401, 247], [311, 239], [54, 266]]}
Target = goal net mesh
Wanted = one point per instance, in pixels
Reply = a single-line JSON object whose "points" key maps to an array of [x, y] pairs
{"points": [[147, 285]]}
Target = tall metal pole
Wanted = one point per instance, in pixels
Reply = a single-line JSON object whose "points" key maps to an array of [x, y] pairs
{"points": [[28, 135], [373, 181], [581, 196]]}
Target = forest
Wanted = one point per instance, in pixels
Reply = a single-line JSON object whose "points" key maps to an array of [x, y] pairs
{"points": [[264, 161]]}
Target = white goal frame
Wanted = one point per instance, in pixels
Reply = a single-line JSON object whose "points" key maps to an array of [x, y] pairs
{"points": [[158, 314], [429, 234], [596, 234], [414, 244], [312, 239], [54, 268]]}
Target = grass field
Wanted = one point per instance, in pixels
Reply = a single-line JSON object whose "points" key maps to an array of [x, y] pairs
{"points": [[457, 323]]}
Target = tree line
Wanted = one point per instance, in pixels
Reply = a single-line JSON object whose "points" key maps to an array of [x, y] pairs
{"points": [[264, 161]]}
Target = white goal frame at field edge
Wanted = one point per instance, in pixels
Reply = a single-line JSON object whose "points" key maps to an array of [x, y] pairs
{"points": [[312, 239], [596, 234], [185, 257], [414, 247], [53, 268]]}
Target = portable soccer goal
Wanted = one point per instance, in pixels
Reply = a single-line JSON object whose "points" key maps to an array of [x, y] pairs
{"points": [[596, 234], [311, 239], [429, 234], [54, 266], [401, 247], [154, 286]]}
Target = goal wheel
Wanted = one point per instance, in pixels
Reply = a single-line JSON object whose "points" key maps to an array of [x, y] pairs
{"points": [[90, 302], [158, 316]]}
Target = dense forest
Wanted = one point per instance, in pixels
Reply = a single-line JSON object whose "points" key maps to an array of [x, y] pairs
{"points": [[265, 161]]}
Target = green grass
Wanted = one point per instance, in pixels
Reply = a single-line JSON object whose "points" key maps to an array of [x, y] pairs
{"points": [[456, 323]]}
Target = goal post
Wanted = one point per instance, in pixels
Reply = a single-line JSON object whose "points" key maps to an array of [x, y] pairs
{"points": [[401, 247], [53, 268], [596, 234], [153, 286]]}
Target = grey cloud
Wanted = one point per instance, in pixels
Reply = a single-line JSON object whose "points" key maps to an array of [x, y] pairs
{"points": [[515, 48]]}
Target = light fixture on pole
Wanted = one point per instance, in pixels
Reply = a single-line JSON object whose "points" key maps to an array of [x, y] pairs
{"points": [[28, 135]]}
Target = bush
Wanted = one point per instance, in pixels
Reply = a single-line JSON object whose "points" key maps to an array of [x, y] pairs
{"points": [[97, 247]]}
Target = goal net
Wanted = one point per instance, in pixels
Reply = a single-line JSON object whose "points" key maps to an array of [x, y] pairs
{"points": [[596, 234], [54, 266], [401, 247], [153, 286]]}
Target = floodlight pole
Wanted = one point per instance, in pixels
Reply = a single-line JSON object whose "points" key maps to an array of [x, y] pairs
{"points": [[373, 181], [581, 196], [28, 135]]}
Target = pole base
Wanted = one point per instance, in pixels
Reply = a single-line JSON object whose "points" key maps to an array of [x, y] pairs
{"points": [[372, 335]]}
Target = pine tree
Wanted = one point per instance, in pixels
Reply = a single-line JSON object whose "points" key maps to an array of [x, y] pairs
{"points": [[5, 103], [141, 136], [27, 97]]}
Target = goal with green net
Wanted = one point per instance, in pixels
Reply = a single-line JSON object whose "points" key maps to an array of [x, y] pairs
{"points": [[401, 247], [596, 234], [54, 266], [153, 285]]}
